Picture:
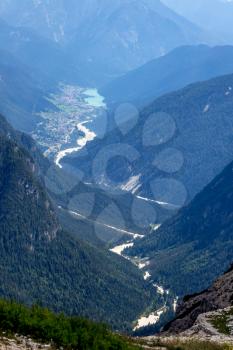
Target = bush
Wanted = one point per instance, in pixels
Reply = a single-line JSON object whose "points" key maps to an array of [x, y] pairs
{"points": [[67, 332]]}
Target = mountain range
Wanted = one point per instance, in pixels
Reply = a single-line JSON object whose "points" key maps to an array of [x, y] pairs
{"points": [[177, 69], [92, 32]]}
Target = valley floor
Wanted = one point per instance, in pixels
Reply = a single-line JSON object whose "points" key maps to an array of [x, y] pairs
{"points": [[167, 300], [65, 129]]}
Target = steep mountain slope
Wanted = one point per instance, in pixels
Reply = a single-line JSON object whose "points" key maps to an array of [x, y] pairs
{"points": [[22, 95], [54, 19], [105, 39], [171, 150], [182, 66], [190, 250], [63, 273], [199, 12], [46, 60], [217, 297]]}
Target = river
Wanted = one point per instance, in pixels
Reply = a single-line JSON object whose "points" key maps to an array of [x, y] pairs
{"points": [[69, 126]]}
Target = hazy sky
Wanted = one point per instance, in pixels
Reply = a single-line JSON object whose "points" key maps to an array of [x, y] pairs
{"points": [[214, 15]]}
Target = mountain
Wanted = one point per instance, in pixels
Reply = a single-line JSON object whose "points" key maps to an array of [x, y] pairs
{"points": [[216, 298], [180, 67], [104, 39], [54, 19], [129, 39], [190, 250], [168, 152], [63, 273], [44, 58], [199, 12], [22, 94]]}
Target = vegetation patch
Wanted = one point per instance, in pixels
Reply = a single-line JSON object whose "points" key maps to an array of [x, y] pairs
{"points": [[220, 322], [61, 331]]}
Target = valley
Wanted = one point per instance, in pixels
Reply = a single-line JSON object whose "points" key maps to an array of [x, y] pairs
{"points": [[166, 301], [72, 127], [116, 175], [68, 128]]}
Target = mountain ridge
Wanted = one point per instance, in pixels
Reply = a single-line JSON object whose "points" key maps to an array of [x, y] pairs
{"points": [[177, 69], [94, 25]]}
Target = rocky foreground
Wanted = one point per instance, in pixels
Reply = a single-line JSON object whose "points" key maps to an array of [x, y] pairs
{"points": [[21, 343], [211, 330]]}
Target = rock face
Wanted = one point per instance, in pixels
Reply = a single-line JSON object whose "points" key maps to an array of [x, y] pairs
{"points": [[218, 296], [202, 332], [203, 328]]}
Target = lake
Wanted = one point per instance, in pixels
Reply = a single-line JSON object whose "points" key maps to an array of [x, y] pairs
{"points": [[94, 98]]}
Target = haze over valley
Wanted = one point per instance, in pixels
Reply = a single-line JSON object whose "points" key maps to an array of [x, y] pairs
{"points": [[116, 134]]}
